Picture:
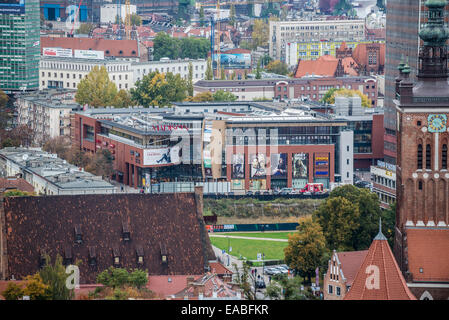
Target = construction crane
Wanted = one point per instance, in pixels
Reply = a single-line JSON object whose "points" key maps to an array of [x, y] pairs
{"points": [[119, 15], [218, 40], [127, 19]]}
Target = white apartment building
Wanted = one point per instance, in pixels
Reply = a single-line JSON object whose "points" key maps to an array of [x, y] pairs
{"points": [[60, 72], [284, 32], [108, 12], [165, 65], [66, 73], [47, 113]]}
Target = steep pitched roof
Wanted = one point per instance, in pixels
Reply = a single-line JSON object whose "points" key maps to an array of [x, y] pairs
{"points": [[379, 277], [428, 249], [158, 225], [350, 262], [360, 53], [15, 183], [218, 268]]}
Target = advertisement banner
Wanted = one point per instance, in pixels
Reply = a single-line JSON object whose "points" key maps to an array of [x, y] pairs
{"points": [[168, 155], [57, 52], [12, 7], [321, 164], [279, 166], [256, 185], [238, 166], [89, 54], [300, 165], [207, 156], [237, 184], [234, 60], [258, 165]]}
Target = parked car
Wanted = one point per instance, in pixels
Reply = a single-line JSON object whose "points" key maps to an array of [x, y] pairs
{"points": [[281, 269], [260, 284], [286, 191], [249, 193]]}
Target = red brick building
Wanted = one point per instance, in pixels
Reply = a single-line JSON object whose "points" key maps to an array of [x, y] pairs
{"points": [[422, 188]]}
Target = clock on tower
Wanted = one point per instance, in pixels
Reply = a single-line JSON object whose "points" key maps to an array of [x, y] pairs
{"points": [[437, 122]]}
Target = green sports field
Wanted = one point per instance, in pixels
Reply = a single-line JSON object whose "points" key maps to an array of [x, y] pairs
{"points": [[273, 235], [250, 248]]}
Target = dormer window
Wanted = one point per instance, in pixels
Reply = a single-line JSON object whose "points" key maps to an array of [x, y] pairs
{"points": [[116, 256], [140, 255], [92, 257], [42, 259], [68, 258], [78, 234], [126, 234], [164, 254]]}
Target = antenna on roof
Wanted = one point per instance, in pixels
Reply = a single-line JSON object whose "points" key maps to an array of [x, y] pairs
{"points": [[380, 235]]}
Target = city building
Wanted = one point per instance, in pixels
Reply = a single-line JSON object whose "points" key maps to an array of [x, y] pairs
{"points": [[14, 183], [284, 32], [109, 12], [61, 10], [403, 22], [50, 175], [383, 177], [341, 271], [102, 231], [327, 66], [422, 211], [305, 88], [128, 50], [47, 113], [379, 276], [67, 72], [180, 66], [19, 49]]}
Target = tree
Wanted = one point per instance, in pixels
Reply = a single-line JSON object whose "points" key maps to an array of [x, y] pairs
{"points": [[265, 60], [222, 74], [173, 48], [85, 28], [123, 99], [5, 112], [58, 145], [243, 279], [190, 80], [55, 277], [209, 71], [202, 21], [258, 73], [339, 218], [101, 164], [36, 289], [260, 33], [231, 15], [118, 20], [201, 97], [21, 135], [119, 278], [159, 89], [221, 95], [17, 193], [13, 292], [78, 157], [277, 67], [135, 19], [306, 248], [138, 278], [330, 95], [96, 89]]}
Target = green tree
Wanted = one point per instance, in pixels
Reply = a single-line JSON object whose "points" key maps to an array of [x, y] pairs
{"points": [[260, 33], [232, 15], [101, 164], [123, 99], [221, 95], [5, 114], [339, 219], [244, 280], [138, 278], [135, 20], [222, 74], [17, 193], [55, 277], [201, 97], [202, 21], [209, 70], [368, 206], [258, 72], [96, 89], [330, 95], [159, 89], [277, 67], [13, 292], [85, 28], [306, 248], [190, 80]]}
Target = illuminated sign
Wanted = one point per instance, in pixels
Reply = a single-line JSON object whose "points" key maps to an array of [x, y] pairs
{"points": [[12, 7]]}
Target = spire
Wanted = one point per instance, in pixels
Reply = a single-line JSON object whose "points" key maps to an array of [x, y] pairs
{"points": [[380, 235]]}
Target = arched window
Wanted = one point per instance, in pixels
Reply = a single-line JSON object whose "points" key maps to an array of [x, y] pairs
{"points": [[444, 157], [428, 156], [420, 156]]}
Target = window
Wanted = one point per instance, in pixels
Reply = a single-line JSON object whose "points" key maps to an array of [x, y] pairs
{"points": [[428, 156], [420, 156], [420, 185], [126, 234], [92, 257], [78, 234], [164, 254], [42, 259], [68, 258], [444, 157], [338, 291], [116, 256], [330, 289], [139, 255]]}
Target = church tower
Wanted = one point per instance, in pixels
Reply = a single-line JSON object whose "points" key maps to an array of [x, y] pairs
{"points": [[422, 213]]}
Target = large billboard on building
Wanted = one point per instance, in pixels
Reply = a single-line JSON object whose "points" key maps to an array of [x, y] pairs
{"points": [[12, 7], [57, 52], [89, 54], [279, 166], [152, 157], [238, 166], [234, 60], [258, 166], [300, 165], [321, 164]]}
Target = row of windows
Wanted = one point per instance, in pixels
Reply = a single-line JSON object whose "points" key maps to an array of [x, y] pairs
{"points": [[384, 181], [82, 67], [60, 84], [428, 158], [331, 290], [173, 69], [328, 27]]}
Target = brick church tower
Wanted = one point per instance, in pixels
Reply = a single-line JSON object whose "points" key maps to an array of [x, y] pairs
{"points": [[422, 213]]}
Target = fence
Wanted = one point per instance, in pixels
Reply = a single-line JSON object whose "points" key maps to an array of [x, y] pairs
{"points": [[208, 187], [252, 227]]}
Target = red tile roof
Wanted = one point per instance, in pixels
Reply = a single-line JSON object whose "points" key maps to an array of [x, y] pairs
{"points": [[323, 66], [359, 54], [218, 268], [4, 285], [129, 48], [350, 262], [386, 284], [349, 66], [15, 183], [161, 286], [428, 249], [237, 51]]}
